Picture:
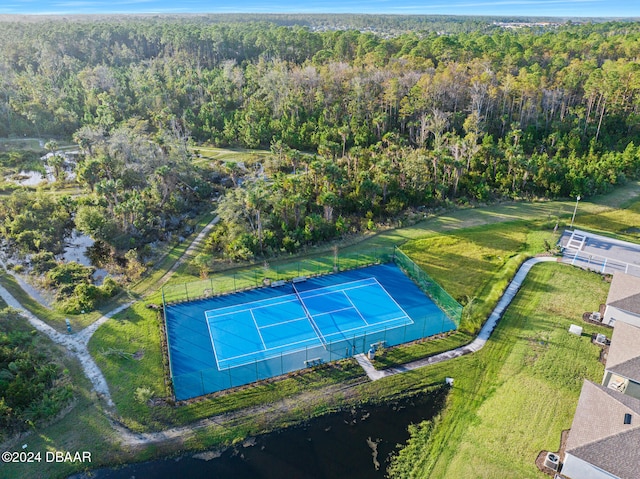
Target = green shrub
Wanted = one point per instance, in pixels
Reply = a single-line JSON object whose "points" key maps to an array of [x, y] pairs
{"points": [[33, 386], [69, 273], [143, 394], [42, 262], [87, 297]]}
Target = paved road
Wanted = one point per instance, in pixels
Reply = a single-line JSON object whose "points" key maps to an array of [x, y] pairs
{"points": [[599, 253]]}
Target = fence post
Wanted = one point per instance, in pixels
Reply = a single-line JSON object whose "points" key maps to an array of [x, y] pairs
{"points": [[234, 283], [186, 291]]}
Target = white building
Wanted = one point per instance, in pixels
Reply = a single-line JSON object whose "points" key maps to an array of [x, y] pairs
{"points": [[623, 301], [605, 436], [622, 372]]}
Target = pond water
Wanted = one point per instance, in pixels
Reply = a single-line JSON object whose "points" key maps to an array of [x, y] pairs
{"points": [[75, 249], [31, 178], [355, 444]]}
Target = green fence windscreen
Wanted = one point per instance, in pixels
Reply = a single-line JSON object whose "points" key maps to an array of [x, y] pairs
{"points": [[450, 306]]}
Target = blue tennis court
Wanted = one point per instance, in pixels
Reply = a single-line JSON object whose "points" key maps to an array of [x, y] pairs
{"points": [[242, 333], [235, 339]]}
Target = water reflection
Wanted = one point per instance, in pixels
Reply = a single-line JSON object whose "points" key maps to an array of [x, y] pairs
{"points": [[355, 444]]}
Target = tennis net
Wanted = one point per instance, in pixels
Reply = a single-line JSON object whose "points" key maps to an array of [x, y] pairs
{"points": [[306, 312]]}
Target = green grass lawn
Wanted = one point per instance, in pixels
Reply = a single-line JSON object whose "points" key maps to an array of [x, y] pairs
{"points": [[465, 261], [620, 223], [530, 352], [236, 155], [517, 394]]}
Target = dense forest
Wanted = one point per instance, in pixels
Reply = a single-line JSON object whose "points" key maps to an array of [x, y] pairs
{"points": [[361, 124]]}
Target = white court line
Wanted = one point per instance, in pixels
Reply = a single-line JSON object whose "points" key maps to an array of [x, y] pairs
{"points": [[334, 311], [213, 344], [284, 348], [354, 307], [264, 346], [211, 316], [373, 331], [292, 299], [396, 303], [313, 339], [306, 296], [283, 322]]}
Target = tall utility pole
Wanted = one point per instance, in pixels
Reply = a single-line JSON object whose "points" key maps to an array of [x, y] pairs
{"points": [[574, 210]]}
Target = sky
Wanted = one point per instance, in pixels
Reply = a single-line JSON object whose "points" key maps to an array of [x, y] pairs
{"points": [[549, 8]]}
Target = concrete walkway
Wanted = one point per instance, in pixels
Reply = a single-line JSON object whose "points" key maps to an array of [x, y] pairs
{"points": [[473, 346]]}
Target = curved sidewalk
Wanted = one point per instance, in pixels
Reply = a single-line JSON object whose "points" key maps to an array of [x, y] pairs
{"points": [[473, 346]]}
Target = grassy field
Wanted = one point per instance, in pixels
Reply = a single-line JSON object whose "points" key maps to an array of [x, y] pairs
{"points": [[513, 398], [620, 223], [235, 155], [491, 375], [465, 261]]}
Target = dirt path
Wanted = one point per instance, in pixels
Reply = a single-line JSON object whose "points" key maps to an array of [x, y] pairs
{"points": [[187, 254], [77, 343], [72, 343]]}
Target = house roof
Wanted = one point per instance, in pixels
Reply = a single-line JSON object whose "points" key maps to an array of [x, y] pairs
{"points": [[624, 354], [599, 435], [624, 292]]}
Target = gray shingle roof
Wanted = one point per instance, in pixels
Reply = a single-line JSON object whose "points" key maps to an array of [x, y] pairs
{"points": [[624, 353], [607, 454], [624, 292], [629, 370], [598, 434]]}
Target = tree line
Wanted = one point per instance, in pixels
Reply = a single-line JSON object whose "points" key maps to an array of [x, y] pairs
{"points": [[361, 126]]}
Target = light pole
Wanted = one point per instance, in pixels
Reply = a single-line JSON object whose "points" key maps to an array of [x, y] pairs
{"points": [[574, 210]]}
